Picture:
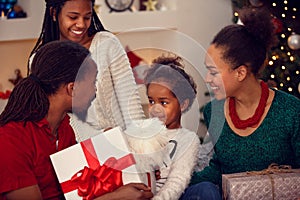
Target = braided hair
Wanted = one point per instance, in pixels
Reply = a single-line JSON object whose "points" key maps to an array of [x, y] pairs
{"points": [[247, 44], [55, 64], [170, 70], [50, 29]]}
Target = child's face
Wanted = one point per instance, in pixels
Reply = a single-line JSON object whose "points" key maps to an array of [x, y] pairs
{"points": [[164, 105]]}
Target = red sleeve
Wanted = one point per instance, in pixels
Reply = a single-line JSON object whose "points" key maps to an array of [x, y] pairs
{"points": [[16, 163]]}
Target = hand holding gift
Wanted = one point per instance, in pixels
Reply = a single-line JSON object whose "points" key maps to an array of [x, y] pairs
{"points": [[131, 191], [100, 167]]}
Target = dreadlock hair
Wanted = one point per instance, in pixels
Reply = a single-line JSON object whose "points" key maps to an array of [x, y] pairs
{"points": [[55, 64], [50, 29], [247, 44], [170, 70]]}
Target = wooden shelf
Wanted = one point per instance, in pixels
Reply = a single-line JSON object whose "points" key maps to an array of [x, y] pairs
{"points": [[119, 22], [30, 27], [24, 28], [129, 20]]}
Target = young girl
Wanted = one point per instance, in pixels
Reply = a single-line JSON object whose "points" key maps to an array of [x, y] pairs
{"points": [[171, 92], [117, 102]]}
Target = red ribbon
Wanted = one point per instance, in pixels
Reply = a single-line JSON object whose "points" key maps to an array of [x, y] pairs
{"points": [[96, 180]]}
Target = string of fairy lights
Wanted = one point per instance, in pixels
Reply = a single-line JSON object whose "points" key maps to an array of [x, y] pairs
{"points": [[293, 42], [283, 66]]}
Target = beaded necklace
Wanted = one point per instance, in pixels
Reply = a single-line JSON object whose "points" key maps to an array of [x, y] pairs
{"points": [[251, 121]]}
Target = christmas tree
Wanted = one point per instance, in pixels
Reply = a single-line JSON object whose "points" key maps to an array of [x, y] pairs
{"points": [[282, 69]]}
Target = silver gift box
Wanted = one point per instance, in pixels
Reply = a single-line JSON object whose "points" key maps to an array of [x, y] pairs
{"points": [[255, 186]]}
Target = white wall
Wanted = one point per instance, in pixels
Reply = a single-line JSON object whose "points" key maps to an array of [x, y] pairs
{"points": [[193, 24], [201, 20]]}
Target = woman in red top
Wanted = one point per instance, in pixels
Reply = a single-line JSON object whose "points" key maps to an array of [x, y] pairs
{"points": [[35, 123]]}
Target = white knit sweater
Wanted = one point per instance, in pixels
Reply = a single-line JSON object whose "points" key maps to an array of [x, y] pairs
{"points": [[176, 164], [176, 176], [117, 101]]}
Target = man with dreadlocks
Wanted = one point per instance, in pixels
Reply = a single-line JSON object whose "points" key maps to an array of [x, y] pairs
{"points": [[35, 124], [117, 102]]}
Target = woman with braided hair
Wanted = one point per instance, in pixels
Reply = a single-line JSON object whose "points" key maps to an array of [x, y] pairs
{"points": [[117, 102], [35, 124]]}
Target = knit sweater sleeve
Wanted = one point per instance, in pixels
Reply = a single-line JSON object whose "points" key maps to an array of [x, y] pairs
{"points": [[211, 173], [125, 87], [117, 100], [180, 172]]}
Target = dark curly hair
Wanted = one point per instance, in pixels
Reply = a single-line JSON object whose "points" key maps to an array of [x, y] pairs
{"points": [[170, 69], [247, 44]]}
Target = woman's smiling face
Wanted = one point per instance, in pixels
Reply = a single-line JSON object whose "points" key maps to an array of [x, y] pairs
{"points": [[220, 76], [74, 20]]}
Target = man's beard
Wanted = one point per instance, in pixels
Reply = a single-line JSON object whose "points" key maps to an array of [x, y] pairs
{"points": [[82, 115]]}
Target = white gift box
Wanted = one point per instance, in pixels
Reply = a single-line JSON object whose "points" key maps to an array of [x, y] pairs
{"points": [[103, 160]]}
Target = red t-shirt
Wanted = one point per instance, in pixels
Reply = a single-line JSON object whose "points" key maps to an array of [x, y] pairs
{"points": [[24, 156]]}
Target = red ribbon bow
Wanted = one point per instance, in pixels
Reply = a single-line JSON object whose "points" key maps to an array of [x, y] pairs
{"points": [[93, 183], [97, 179]]}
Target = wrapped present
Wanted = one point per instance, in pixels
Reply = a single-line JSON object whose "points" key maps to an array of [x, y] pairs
{"points": [[274, 183], [97, 166]]}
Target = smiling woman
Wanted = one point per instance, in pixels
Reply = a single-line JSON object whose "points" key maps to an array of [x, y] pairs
{"points": [[117, 101], [252, 126], [74, 21]]}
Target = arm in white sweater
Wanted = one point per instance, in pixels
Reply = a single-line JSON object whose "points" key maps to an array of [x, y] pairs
{"points": [[180, 172], [124, 85]]}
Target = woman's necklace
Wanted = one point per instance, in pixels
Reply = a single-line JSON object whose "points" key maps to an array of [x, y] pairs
{"points": [[251, 121]]}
